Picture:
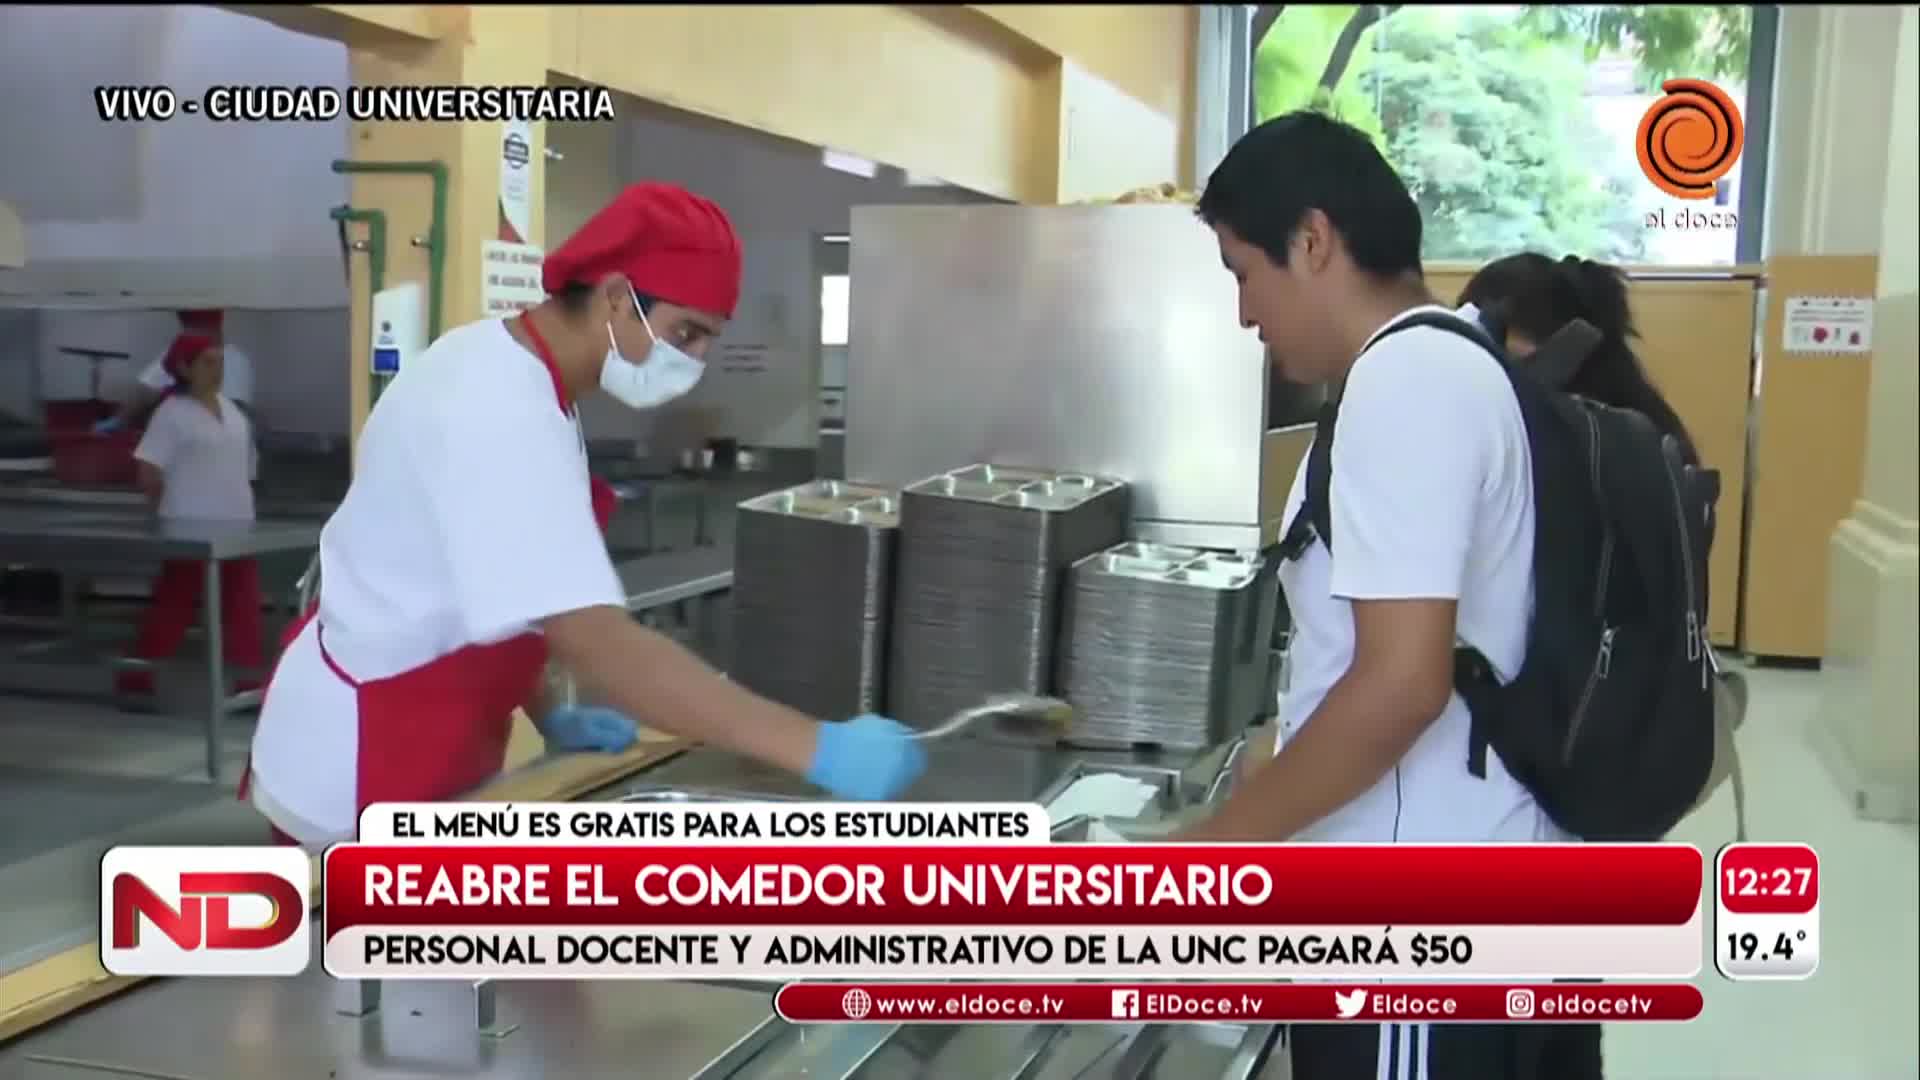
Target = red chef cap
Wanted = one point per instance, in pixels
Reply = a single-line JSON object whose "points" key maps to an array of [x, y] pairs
{"points": [[672, 244], [182, 353], [207, 319]]}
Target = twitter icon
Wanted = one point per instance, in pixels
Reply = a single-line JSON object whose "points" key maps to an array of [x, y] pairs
{"points": [[1349, 1004]]}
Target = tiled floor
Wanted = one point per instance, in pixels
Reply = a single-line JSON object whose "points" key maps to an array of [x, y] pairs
{"points": [[1852, 1021]]}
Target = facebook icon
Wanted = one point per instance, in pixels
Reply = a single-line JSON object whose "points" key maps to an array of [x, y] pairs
{"points": [[1126, 1004]]}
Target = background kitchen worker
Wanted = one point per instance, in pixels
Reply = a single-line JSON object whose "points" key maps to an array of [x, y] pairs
{"points": [[155, 383], [467, 548], [197, 460]]}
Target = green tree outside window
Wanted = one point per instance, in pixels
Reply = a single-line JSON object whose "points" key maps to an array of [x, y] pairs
{"points": [[1483, 110]]}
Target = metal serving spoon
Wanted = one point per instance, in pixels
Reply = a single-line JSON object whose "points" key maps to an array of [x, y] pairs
{"points": [[1013, 714]]}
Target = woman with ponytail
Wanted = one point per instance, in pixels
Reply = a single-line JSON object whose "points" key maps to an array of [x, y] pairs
{"points": [[1534, 296], [197, 462]]}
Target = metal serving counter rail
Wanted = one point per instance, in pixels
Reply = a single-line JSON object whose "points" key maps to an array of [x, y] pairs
{"points": [[316, 1026], [112, 538]]}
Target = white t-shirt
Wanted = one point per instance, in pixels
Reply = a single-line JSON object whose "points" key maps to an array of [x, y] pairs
{"points": [[209, 461], [236, 379], [1431, 497], [469, 519]]}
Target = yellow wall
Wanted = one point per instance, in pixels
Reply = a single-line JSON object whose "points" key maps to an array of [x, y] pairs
{"points": [[1034, 104]]}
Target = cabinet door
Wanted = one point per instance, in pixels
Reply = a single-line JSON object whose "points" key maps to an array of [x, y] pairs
{"points": [[1696, 340]]}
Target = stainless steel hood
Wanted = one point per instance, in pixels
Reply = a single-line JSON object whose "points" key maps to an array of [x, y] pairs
{"points": [[1100, 339]]}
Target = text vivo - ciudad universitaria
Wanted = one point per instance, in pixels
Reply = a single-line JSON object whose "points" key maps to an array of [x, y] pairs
{"points": [[397, 104]]}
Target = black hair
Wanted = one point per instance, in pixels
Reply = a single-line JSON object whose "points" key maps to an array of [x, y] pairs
{"points": [[573, 297], [1536, 295], [1307, 160]]}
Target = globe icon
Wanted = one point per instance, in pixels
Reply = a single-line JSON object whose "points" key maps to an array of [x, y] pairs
{"points": [[855, 1004]]}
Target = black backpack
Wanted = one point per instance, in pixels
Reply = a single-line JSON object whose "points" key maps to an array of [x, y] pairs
{"points": [[1609, 722]]}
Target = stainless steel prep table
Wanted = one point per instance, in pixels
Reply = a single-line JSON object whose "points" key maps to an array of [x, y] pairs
{"points": [[315, 1027], [62, 536]]}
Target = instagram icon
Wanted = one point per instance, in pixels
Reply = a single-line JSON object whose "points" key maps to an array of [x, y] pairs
{"points": [[1520, 1004]]}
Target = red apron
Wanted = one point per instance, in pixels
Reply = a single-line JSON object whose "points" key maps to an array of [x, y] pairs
{"points": [[440, 730]]}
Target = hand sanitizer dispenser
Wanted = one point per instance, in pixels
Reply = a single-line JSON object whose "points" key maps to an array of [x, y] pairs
{"points": [[399, 329]]}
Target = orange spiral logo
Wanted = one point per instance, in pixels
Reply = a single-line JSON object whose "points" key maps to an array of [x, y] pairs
{"points": [[1690, 138]]}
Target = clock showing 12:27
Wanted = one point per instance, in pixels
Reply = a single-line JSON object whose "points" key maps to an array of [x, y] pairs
{"points": [[1766, 911]]}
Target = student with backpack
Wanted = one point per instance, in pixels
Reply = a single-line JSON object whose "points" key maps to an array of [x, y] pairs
{"points": [[1494, 636]]}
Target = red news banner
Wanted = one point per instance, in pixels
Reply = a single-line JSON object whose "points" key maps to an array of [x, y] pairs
{"points": [[745, 906]]}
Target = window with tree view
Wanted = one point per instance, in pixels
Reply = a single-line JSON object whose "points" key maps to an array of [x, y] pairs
{"points": [[1516, 126]]}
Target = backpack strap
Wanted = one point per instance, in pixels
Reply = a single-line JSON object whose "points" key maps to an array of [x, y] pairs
{"points": [[1314, 521], [1473, 674]]}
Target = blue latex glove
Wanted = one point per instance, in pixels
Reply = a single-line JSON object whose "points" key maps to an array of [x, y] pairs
{"points": [[588, 728], [868, 757], [108, 426]]}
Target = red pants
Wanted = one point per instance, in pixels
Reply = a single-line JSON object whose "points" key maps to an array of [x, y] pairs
{"points": [[176, 602]]}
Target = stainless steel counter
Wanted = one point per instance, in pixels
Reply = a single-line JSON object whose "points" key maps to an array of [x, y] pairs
{"points": [[81, 537], [245, 1029]]}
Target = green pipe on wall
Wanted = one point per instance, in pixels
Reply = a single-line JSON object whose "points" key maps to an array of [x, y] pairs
{"points": [[376, 223], [436, 232]]}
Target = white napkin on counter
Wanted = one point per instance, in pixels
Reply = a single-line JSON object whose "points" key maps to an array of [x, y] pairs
{"points": [[1103, 795]]}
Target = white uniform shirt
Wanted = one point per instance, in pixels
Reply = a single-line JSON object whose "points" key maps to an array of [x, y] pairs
{"points": [[209, 461], [1431, 497], [236, 380], [468, 520]]}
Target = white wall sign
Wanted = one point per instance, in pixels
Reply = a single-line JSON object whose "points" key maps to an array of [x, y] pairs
{"points": [[509, 278], [516, 181], [1828, 324]]}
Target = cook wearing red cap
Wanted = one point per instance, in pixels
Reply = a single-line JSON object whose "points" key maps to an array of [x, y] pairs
{"points": [[154, 381], [469, 551], [197, 462]]}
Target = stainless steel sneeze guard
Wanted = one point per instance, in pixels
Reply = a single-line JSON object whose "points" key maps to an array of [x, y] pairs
{"points": [[1102, 339]]}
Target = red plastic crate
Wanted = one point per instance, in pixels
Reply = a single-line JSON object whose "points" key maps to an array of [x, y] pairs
{"points": [[78, 415], [84, 459]]}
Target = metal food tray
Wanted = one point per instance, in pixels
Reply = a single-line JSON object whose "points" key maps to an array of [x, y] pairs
{"points": [[831, 500], [1005, 485], [1177, 565], [813, 595]]}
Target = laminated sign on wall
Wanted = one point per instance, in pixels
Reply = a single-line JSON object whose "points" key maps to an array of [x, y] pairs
{"points": [[1828, 324], [516, 182], [510, 267], [509, 278]]}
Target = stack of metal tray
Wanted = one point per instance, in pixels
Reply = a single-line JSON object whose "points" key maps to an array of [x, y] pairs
{"points": [[812, 589], [983, 553], [1165, 645]]}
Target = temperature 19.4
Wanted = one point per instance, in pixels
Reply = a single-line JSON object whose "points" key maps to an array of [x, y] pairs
{"points": [[1747, 946]]}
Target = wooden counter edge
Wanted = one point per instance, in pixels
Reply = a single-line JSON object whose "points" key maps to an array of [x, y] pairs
{"points": [[49, 989]]}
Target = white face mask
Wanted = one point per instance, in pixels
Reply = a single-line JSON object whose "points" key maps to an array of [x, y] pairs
{"points": [[667, 373]]}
